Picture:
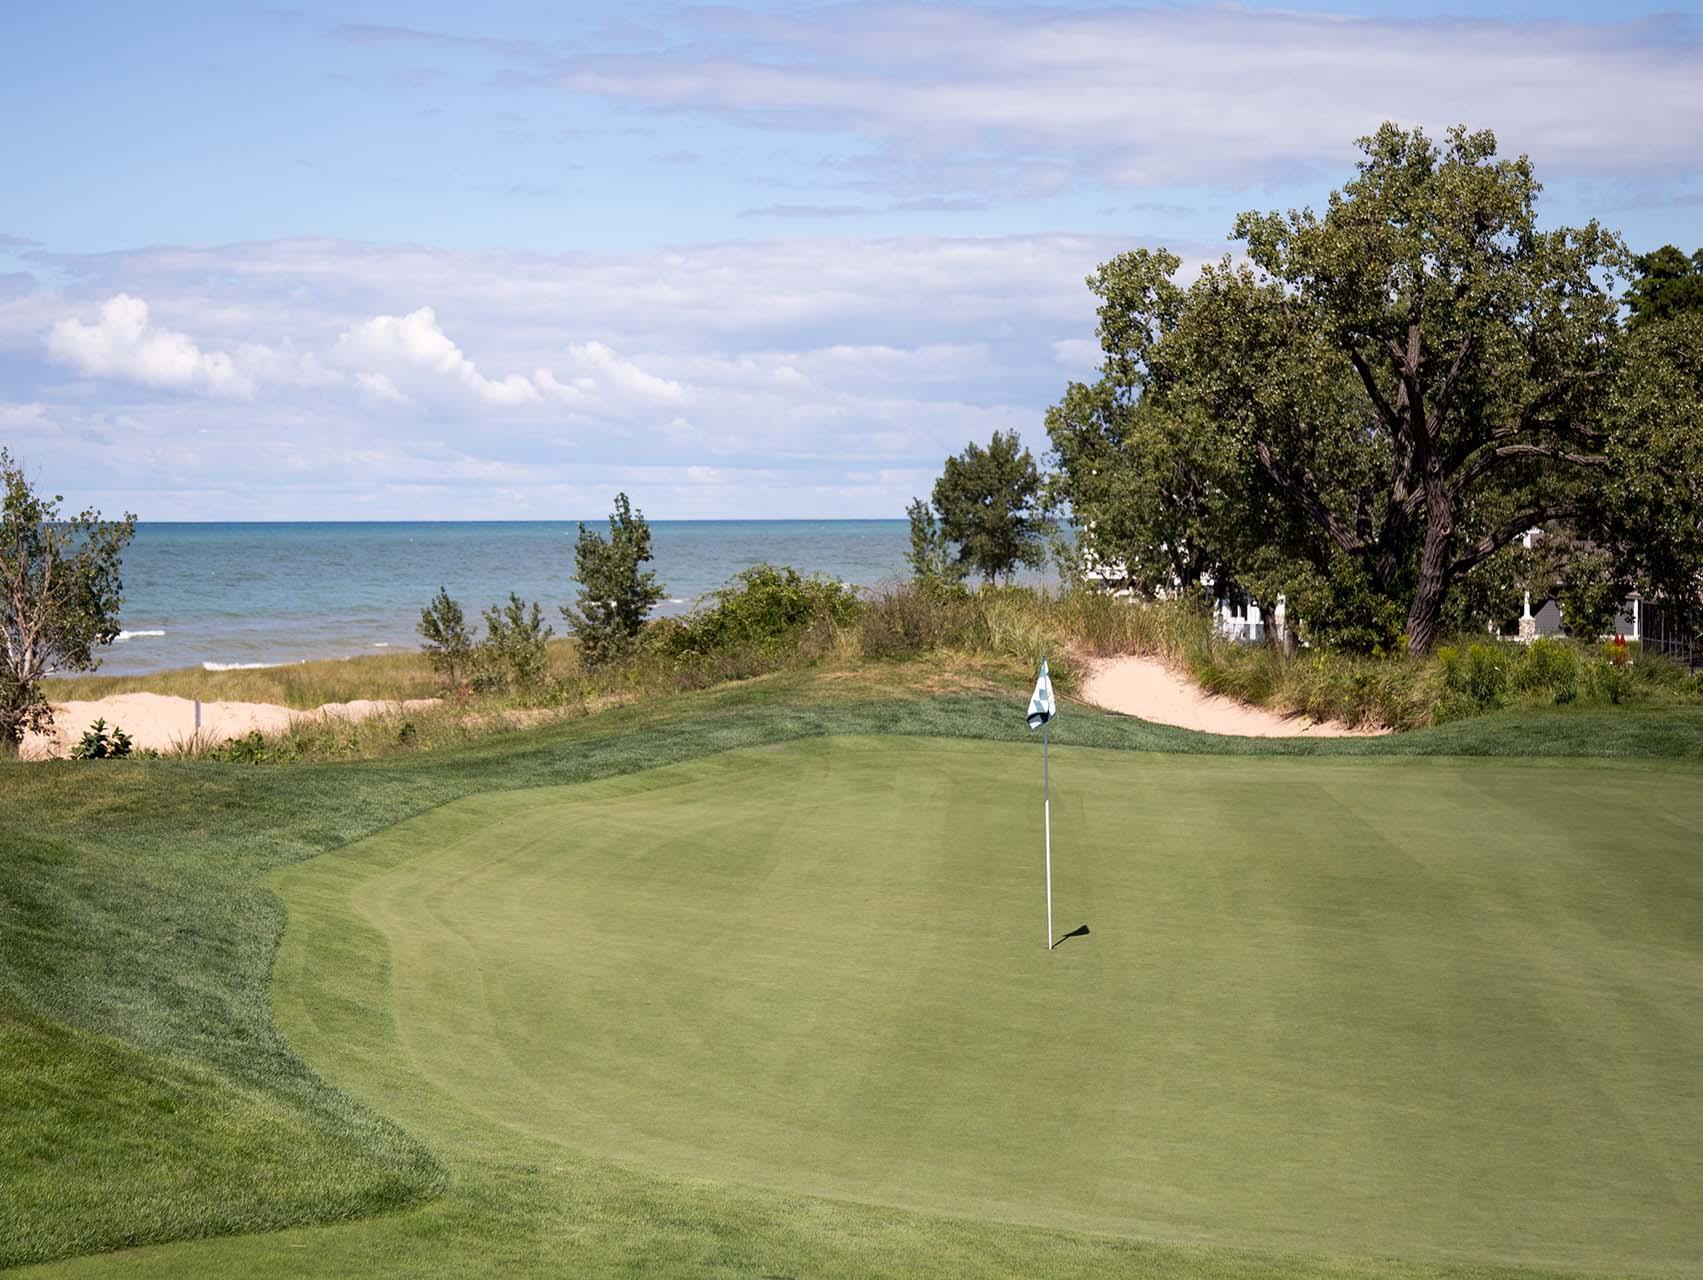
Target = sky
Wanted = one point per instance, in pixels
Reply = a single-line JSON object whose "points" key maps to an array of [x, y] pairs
{"points": [[500, 261]]}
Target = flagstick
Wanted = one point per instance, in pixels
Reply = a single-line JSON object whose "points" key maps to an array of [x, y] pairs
{"points": [[1047, 812]]}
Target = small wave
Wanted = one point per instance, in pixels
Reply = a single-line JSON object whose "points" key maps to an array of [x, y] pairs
{"points": [[238, 666], [381, 644], [122, 636], [675, 600]]}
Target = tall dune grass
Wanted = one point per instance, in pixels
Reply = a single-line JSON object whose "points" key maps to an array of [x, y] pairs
{"points": [[303, 685], [998, 634]]}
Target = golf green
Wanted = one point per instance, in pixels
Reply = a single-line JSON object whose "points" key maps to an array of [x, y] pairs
{"points": [[1433, 1009]]}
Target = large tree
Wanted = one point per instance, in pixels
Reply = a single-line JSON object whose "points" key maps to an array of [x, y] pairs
{"points": [[1395, 389], [59, 597]]}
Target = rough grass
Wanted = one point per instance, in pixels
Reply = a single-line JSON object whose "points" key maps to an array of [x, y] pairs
{"points": [[137, 941], [104, 1145]]}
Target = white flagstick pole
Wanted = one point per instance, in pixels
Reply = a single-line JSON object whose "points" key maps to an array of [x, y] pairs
{"points": [[1047, 812]]}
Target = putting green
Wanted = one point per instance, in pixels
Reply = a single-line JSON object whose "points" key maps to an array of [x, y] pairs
{"points": [[1440, 1010]]}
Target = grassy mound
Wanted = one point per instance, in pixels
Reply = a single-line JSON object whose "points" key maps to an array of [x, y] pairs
{"points": [[138, 937]]}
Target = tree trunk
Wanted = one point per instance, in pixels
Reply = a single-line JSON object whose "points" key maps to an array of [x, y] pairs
{"points": [[1425, 614], [1268, 623]]}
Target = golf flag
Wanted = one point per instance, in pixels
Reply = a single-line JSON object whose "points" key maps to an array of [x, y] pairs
{"points": [[1041, 706], [1041, 711]]}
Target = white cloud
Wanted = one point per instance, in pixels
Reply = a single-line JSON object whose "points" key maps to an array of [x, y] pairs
{"points": [[411, 356], [807, 377], [20, 416], [605, 369], [123, 344], [1029, 99], [1081, 355]]}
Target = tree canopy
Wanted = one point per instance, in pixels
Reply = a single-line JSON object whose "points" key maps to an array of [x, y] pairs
{"points": [[1668, 284], [1370, 408], [616, 593], [987, 504], [59, 596]]}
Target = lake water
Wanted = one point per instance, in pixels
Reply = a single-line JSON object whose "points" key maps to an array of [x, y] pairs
{"points": [[230, 594]]}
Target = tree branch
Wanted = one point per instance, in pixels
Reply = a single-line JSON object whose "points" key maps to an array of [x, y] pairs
{"points": [[1303, 489], [1397, 354], [1528, 415], [1486, 457], [1434, 420], [1528, 519], [1366, 379]]}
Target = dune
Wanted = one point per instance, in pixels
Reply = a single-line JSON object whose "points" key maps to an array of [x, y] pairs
{"points": [[163, 722], [1150, 690]]}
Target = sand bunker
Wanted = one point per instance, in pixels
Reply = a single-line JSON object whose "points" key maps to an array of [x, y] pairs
{"points": [[1147, 688], [165, 723]]}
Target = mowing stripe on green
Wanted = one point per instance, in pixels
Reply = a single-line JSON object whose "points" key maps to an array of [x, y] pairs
{"points": [[1436, 1010]]}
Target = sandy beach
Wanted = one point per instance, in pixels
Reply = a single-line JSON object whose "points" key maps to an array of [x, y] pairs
{"points": [[165, 723], [1147, 688]]}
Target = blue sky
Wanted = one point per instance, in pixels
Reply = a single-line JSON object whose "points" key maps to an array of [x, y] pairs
{"points": [[434, 260]]}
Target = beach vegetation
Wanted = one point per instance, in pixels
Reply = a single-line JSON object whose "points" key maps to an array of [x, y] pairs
{"points": [[447, 641], [929, 554], [102, 743], [765, 609], [616, 592], [515, 653], [772, 620], [60, 592]]}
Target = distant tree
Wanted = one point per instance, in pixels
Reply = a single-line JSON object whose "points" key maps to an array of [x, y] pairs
{"points": [[449, 644], [59, 597], [616, 594], [1668, 284], [515, 650], [929, 556], [989, 505]]}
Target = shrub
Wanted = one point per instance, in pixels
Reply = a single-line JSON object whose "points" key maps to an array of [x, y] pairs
{"points": [[449, 644], [101, 743], [515, 652], [1612, 681], [1475, 679], [1548, 666], [903, 621], [254, 747], [763, 610]]}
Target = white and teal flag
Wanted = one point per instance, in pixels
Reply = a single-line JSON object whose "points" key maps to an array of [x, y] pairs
{"points": [[1041, 705]]}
